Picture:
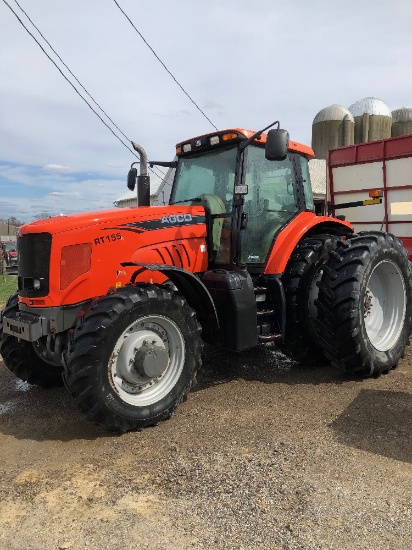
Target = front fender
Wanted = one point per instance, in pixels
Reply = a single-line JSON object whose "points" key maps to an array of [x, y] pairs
{"points": [[190, 286]]}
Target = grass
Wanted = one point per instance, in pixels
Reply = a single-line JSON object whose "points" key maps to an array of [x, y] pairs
{"points": [[7, 287]]}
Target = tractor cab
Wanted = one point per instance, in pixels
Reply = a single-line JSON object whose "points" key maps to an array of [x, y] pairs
{"points": [[248, 198]]}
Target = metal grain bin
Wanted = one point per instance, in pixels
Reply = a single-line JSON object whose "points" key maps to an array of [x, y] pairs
{"points": [[373, 119], [332, 127]]}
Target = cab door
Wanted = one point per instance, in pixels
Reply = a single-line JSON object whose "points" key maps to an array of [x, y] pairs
{"points": [[271, 202]]}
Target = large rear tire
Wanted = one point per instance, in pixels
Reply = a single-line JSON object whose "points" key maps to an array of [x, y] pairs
{"points": [[133, 357], [365, 304], [26, 359], [303, 271]]}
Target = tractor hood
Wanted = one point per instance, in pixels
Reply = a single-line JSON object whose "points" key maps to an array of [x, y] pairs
{"points": [[66, 259], [116, 217]]}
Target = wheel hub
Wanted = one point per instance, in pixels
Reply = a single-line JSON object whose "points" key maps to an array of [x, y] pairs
{"points": [[142, 357], [151, 360], [147, 360]]}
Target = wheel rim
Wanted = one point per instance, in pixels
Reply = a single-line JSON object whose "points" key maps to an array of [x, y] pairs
{"points": [[43, 350], [147, 360], [384, 305]]}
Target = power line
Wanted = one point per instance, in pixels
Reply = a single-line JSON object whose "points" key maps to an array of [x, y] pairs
{"points": [[65, 77], [73, 75], [161, 175], [160, 61]]}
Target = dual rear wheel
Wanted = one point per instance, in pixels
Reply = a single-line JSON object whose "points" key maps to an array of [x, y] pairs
{"points": [[350, 301], [365, 304]]}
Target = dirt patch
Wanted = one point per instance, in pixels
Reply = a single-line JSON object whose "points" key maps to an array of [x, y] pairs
{"points": [[264, 454]]}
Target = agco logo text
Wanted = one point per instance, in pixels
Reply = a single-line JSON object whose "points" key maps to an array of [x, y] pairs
{"points": [[179, 218]]}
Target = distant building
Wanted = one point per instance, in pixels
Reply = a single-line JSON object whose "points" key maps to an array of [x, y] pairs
{"points": [[368, 119], [7, 232]]}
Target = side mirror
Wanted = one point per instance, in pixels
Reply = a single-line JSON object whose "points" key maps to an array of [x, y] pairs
{"points": [[131, 178], [277, 143]]}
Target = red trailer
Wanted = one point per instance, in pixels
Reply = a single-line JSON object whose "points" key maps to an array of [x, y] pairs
{"points": [[385, 165]]}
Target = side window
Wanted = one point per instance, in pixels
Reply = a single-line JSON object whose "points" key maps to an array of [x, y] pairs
{"points": [[304, 164], [270, 203], [270, 183]]}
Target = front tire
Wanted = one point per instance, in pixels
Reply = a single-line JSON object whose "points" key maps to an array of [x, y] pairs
{"points": [[365, 304], [26, 359], [133, 357]]}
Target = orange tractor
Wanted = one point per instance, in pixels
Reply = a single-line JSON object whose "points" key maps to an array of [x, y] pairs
{"points": [[117, 303]]}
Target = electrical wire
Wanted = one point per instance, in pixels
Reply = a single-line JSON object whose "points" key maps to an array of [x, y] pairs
{"points": [[67, 79], [160, 174], [68, 68], [164, 66]]}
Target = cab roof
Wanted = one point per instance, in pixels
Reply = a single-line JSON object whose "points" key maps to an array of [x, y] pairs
{"points": [[239, 134]]}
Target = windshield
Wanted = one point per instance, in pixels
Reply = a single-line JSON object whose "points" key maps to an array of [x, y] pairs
{"points": [[11, 247], [207, 174], [210, 177]]}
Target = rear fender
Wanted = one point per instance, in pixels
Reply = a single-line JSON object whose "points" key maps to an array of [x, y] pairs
{"points": [[190, 286], [306, 223]]}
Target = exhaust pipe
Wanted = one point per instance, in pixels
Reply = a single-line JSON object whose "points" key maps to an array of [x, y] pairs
{"points": [[143, 181]]}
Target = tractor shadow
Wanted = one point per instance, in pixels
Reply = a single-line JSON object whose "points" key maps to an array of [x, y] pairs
{"points": [[29, 412], [379, 422], [265, 363]]}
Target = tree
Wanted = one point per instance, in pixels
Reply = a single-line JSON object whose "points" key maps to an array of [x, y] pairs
{"points": [[43, 215], [14, 221]]}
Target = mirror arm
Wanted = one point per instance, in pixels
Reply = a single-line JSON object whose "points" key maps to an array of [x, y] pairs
{"points": [[172, 164], [248, 141]]}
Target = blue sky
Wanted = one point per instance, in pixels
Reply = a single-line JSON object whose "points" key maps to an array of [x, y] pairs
{"points": [[245, 64]]}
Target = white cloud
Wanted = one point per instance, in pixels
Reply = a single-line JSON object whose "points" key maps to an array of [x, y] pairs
{"points": [[56, 168]]}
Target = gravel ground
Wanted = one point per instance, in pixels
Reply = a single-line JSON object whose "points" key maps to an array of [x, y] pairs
{"points": [[265, 454]]}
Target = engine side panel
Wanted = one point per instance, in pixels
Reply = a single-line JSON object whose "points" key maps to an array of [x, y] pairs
{"points": [[87, 250]]}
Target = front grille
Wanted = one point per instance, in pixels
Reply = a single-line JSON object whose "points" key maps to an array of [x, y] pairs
{"points": [[75, 260], [34, 264]]}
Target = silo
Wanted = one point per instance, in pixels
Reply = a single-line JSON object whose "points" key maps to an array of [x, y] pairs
{"points": [[373, 119], [332, 127], [401, 121]]}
